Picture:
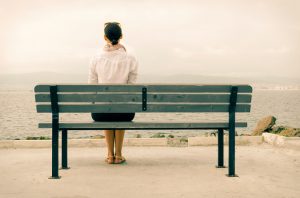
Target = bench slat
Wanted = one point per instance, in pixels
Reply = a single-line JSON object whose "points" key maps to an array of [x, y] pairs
{"points": [[138, 88], [123, 108], [143, 125], [129, 97]]}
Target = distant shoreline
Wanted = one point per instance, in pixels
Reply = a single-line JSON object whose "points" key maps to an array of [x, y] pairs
{"points": [[27, 81], [256, 87]]}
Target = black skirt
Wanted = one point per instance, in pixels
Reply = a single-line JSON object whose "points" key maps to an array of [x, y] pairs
{"points": [[111, 117]]}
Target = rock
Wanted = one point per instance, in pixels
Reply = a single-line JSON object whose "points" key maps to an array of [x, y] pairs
{"points": [[38, 138], [213, 133], [278, 129], [183, 140], [138, 136], [264, 125], [290, 132], [158, 135]]}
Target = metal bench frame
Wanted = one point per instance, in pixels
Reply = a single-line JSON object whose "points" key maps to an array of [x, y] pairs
{"points": [[64, 163]]}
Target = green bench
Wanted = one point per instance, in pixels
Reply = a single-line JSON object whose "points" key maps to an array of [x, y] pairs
{"points": [[145, 98]]}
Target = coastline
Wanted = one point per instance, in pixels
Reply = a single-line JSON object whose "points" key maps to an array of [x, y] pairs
{"points": [[266, 138], [171, 142]]}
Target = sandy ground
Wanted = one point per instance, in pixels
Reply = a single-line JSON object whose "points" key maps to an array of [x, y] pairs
{"points": [[264, 171]]}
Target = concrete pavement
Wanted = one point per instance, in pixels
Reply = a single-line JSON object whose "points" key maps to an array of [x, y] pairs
{"points": [[264, 171]]}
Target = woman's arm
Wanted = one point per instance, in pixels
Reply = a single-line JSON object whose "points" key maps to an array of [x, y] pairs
{"points": [[93, 76], [133, 73]]}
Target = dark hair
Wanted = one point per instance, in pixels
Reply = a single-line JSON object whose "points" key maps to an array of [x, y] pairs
{"points": [[113, 32]]}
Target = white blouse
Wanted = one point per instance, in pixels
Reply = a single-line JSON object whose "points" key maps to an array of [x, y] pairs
{"points": [[113, 67]]}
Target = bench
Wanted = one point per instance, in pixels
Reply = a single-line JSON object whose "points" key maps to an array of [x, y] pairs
{"points": [[145, 98]]}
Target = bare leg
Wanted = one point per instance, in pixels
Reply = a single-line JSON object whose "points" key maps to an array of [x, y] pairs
{"points": [[110, 140], [119, 137]]}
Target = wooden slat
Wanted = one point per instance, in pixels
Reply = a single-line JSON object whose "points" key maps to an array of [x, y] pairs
{"points": [[143, 125], [138, 88], [128, 97], [122, 108]]}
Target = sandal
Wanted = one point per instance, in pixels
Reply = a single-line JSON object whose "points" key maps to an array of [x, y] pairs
{"points": [[109, 159], [119, 159]]}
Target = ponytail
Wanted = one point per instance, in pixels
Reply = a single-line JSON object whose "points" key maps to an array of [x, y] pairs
{"points": [[113, 32]]}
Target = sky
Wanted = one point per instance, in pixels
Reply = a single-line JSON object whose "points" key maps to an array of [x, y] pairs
{"points": [[216, 37]]}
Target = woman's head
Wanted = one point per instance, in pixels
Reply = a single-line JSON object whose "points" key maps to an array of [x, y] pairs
{"points": [[112, 32]]}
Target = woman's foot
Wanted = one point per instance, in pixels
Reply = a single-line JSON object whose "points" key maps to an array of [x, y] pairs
{"points": [[110, 159], [119, 159]]}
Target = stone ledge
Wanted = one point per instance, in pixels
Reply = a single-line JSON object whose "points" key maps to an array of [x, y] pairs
{"points": [[77, 143], [239, 140], [82, 143], [281, 141]]}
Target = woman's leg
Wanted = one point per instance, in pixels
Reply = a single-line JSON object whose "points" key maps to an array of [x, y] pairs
{"points": [[119, 137], [110, 140]]}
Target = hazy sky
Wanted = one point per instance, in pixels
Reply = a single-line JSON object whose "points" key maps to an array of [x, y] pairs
{"points": [[213, 37]]}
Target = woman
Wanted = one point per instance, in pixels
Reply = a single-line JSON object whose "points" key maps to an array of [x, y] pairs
{"points": [[113, 66]]}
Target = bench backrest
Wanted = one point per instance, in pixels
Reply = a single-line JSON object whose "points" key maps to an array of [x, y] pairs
{"points": [[85, 98]]}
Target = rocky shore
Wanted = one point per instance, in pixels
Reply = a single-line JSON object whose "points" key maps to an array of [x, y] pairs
{"points": [[268, 125], [265, 125]]}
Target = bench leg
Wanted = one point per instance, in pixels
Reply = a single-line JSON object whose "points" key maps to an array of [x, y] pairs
{"points": [[55, 131], [220, 149], [64, 149], [231, 147]]}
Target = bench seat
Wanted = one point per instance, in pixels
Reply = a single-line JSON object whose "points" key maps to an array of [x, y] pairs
{"points": [[142, 125], [145, 98]]}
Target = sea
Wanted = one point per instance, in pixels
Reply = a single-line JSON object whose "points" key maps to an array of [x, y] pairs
{"points": [[19, 119]]}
